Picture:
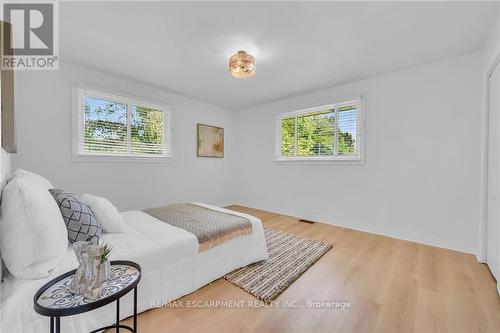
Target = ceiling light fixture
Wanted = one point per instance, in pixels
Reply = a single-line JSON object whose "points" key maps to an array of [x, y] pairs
{"points": [[242, 65]]}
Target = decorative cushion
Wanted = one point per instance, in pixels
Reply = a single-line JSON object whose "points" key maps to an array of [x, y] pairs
{"points": [[106, 213], [80, 220], [33, 238]]}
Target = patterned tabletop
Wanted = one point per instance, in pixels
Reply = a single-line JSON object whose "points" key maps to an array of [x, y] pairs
{"points": [[58, 295]]}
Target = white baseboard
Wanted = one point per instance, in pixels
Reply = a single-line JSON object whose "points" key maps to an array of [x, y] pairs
{"points": [[421, 239], [480, 257]]}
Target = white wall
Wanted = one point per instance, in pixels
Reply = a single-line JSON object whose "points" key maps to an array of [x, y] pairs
{"points": [[420, 180], [421, 177], [5, 169], [5, 160], [43, 111], [492, 47], [5, 166]]}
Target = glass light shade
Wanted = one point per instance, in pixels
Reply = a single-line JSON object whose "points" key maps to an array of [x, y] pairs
{"points": [[242, 65]]}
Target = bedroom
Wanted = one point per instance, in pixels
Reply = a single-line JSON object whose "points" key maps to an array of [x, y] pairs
{"points": [[339, 175]]}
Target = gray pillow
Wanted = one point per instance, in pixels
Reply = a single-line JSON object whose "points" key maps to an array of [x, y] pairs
{"points": [[79, 218]]}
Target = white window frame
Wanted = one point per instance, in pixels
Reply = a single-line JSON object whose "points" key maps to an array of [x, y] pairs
{"points": [[358, 158], [81, 91]]}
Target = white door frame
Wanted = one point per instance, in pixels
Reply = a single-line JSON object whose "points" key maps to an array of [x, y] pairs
{"points": [[481, 254]]}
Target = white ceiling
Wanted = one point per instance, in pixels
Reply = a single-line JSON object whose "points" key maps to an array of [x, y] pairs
{"points": [[184, 47]]}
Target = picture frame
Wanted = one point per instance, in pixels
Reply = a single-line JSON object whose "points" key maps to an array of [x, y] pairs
{"points": [[210, 141], [8, 136]]}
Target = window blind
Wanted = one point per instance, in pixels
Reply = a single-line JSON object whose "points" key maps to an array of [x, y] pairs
{"points": [[120, 127], [315, 133], [347, 129], [327, 131]]}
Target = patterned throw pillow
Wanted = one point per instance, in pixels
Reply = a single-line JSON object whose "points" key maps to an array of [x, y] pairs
{"points": [[80, 221]]}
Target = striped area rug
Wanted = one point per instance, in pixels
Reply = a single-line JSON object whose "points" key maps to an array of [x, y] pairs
{"points": [[289, 256]]}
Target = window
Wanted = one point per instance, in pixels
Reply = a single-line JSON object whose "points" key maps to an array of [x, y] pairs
{"points": [[330, 132], [116, 126]]}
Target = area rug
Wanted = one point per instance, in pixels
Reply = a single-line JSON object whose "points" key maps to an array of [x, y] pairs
{"points": [[289, 256]]}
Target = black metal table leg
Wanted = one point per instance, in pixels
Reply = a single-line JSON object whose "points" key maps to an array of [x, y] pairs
{"points": [[135, 310], [118, 315], [51, 324], [58, 324]]}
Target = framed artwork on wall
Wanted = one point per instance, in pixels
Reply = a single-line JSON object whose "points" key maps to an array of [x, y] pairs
{"points": [[7, 93], [210, 141]]}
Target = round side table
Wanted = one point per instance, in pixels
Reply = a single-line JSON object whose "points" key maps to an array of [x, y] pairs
{"points": [[54, 299]]}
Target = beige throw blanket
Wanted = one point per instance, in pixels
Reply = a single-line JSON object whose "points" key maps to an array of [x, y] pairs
{"points": [[211, 227]]}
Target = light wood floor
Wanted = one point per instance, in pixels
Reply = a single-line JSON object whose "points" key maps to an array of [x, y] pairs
{"points": [[392, 285]]}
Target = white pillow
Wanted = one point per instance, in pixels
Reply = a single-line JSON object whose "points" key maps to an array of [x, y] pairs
{"points": [[33, 236], [31, 178], [106, 213]]}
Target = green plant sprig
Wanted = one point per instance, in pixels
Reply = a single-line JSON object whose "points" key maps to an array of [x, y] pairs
{"points": [[105, 253]]}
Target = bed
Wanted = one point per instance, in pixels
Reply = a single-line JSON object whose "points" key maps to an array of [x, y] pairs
{"points": [[171, 266]]}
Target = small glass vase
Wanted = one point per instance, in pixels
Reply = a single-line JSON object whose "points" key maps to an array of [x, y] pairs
{"points": [[105, 271]]}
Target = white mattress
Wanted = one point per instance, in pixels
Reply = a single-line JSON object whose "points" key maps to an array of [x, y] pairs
{"points": [[171, 267]]}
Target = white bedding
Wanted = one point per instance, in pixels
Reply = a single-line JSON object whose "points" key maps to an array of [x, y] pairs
{"points": [[171, 267]]}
